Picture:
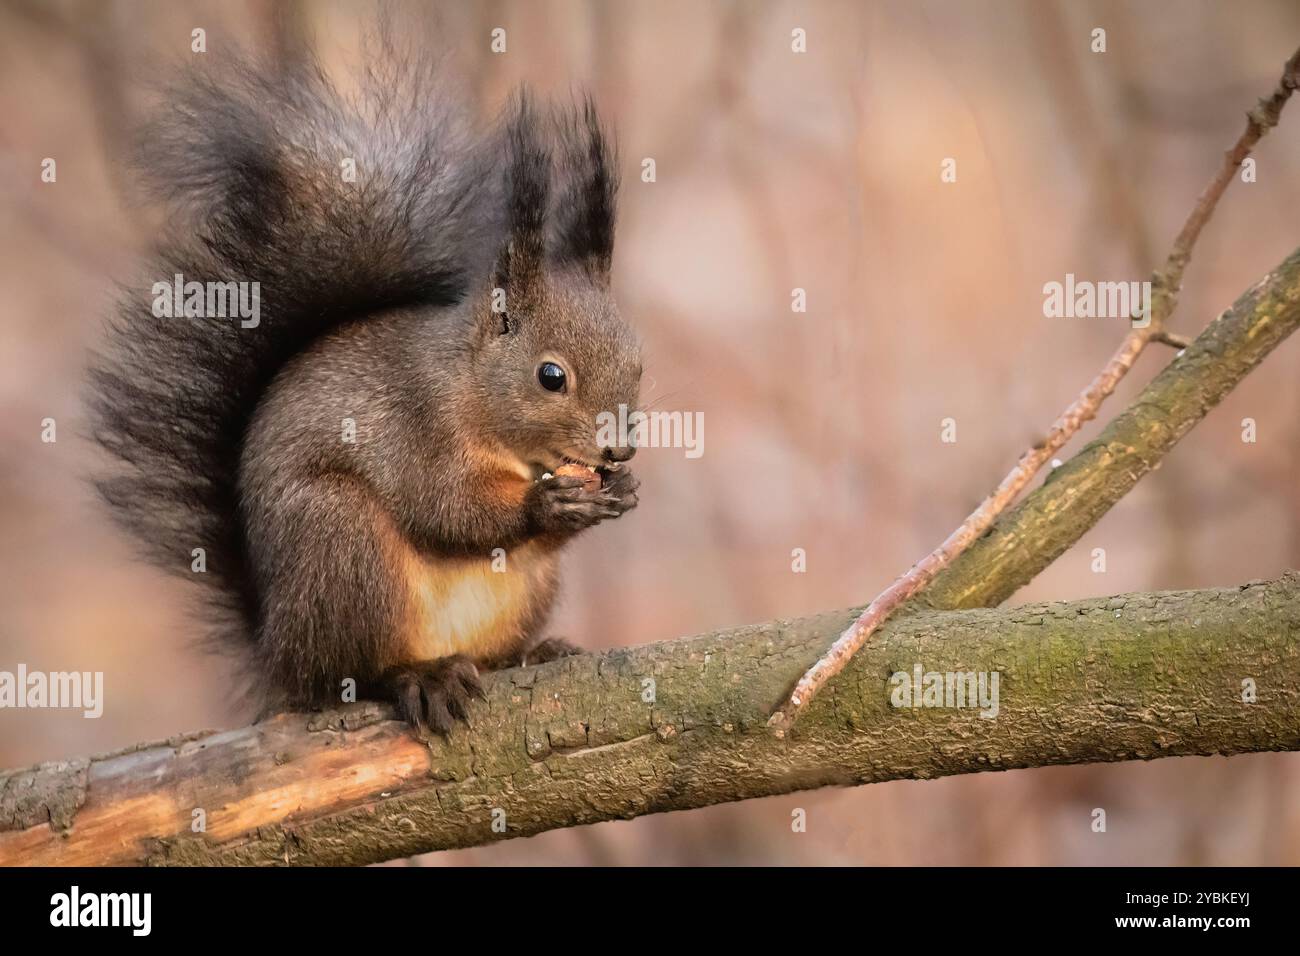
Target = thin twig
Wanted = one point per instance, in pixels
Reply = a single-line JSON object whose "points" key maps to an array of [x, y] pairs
{"points": [[1165, 287]]}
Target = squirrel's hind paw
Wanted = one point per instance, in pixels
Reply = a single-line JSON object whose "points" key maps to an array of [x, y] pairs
{"points": [[433, 695], [551, 649]]}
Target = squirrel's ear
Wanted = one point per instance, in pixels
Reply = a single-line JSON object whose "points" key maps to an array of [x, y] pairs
{"points": [[589, 172], [528, 182], [527, 193]]}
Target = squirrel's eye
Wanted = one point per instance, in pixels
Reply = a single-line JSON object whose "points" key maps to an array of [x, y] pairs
{"points": [[551, 376]]}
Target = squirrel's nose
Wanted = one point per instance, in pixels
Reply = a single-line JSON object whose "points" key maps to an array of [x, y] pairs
{"points": [[619, 454]]}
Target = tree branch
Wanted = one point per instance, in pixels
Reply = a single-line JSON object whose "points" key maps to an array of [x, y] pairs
{"points": [[1076, 496], [981, 567], [1164, 299], [578, 741]]}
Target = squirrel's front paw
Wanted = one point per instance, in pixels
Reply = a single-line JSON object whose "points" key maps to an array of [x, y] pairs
{"points": [[562, 504], [620, 487], [434, 694]]}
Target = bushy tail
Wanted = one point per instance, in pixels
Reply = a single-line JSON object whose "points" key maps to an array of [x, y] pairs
{"points": [[255, 164]]}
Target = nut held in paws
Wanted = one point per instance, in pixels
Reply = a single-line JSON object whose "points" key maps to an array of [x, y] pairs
{"points": [[590, 477]]}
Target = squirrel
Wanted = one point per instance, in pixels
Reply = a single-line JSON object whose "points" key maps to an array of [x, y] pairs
{"points": [[451, 299]]}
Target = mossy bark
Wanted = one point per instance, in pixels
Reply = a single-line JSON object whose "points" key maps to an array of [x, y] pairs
{"points": [[681, 724]]}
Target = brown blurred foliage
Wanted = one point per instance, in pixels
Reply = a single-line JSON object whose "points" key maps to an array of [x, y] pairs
{"points": [[775, 170]]}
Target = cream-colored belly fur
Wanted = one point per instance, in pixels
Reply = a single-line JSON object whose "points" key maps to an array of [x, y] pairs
{"points": [[463, 606]]}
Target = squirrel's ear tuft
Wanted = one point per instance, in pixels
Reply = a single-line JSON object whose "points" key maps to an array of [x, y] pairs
{"points": [[572, 223], [588, 172], [528, 186]]}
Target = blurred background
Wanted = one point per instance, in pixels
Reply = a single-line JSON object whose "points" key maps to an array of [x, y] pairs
{"points": [[775, 170]]}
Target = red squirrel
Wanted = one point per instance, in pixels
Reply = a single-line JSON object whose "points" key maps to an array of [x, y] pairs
{"points": [[370, 468]]}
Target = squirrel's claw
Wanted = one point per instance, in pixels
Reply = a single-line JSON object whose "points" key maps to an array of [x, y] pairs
{"points": [[433, 695]]}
